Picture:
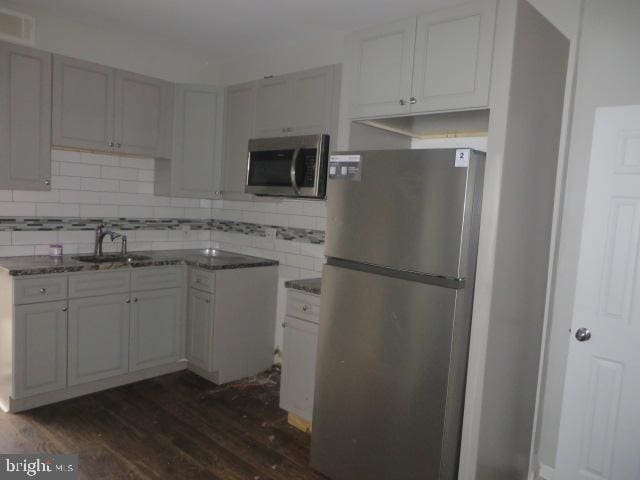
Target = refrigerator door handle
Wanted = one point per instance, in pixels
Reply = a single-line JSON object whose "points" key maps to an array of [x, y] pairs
{"points": [[294, 160]]}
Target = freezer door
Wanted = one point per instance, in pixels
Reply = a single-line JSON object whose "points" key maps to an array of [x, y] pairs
{"points": [[409, 210], [381, 380]]}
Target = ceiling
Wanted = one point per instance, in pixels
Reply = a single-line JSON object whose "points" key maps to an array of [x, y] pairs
{"points": [[229, 28]]}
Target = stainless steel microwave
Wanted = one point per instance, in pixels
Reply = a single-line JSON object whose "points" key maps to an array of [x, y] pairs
{"points": [[293, 166]]}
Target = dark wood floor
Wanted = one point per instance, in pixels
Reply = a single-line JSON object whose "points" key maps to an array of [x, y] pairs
{"points": [[178, 426]]}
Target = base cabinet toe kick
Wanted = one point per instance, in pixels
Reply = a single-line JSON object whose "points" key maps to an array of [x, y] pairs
{"points": [[65, 335]]}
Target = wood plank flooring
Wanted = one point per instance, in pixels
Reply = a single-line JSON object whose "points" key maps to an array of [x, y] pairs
{"points": [[176, 426]]}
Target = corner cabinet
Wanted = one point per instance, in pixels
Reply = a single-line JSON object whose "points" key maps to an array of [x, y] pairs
{"points": [[104, 109], [437, 62], [25, 118]]}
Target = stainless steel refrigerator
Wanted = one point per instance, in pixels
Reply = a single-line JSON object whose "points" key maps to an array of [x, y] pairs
{"points": [[395, 315]]}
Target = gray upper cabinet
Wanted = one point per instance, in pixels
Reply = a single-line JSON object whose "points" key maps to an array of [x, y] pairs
{"points": [[440, 61], [273, 104], [381, 66], [143, 114], [25, 118], [100, 108], [453, 55], [239, 128], [196, 169], [314, 105], [83, 104]]}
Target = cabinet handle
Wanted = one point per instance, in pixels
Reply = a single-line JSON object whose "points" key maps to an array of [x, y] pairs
{"points": [[403, 102], [135, 300], [118, 145], [305, 308], [207, 301], [47, 182], [64, 309], [284, 324], [111, 144], [43, 290], [413, 100], [128, 300]]}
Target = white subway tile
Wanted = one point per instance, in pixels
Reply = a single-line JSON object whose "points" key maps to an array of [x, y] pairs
{"points": [[168, 212], [5, 238], [99, 185], [16, 250], [300, 261], [65, 183], [254, 217], [287, 246], [146, 175], [299, 221], [79, 196], [100, 159], [276, 219], [15, 209], [287, 272], [57, 210], [98, 211], [66, 156], [75, 236], [128, 186], [151, 235], [33, 237], [146, 187], [205, 203], [308, 273], [79, 170], [314, 208], [131, 211], [140, 163], [202, 213], [318, 264], [55, 168], [6, 195], [312, 250], [321, 224], [35, 196], [119, 173]]}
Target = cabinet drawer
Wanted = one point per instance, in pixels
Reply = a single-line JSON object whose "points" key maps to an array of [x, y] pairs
{"points": [[100, 283], [39, 289], [304, 306], [157, 278], [202, 280]]}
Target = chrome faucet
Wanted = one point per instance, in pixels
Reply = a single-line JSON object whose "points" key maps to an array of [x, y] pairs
{"points": [[101, 233]]}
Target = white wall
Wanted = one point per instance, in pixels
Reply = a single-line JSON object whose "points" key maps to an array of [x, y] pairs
{"points": [[151, 55], [608, 74]]}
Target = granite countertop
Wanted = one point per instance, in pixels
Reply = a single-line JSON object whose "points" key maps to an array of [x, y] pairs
{"points": [[219, 260], [309, 285]]}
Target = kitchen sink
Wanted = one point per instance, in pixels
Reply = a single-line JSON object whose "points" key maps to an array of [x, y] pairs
{"points": [[111, 258]]}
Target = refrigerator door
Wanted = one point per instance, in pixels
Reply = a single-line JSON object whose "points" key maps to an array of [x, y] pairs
{"points": [[404, 209], [381, 404]]}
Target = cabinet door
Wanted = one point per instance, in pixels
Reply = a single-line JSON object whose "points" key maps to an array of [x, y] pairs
{"points": [[157, 317], [381, 68], [197, 160], [98, 338], [25, 118], [454, 48], [273, 107], [143, 110], [40, 351], [312, 101], [240, 127], [200, 329], [298, 367], [82, 104]]}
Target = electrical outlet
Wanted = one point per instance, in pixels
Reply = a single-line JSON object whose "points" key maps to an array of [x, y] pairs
{"points": [[270, 232]]}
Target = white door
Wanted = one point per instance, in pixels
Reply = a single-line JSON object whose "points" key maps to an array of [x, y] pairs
{"points": [[600, 425]]}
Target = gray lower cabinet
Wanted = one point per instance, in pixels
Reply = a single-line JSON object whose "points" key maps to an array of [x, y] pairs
{"points": [[96, 107], [156, 322], [25, 118], [40, 353], [98, 338], [200, 329], [299, 347], [300, 343]]}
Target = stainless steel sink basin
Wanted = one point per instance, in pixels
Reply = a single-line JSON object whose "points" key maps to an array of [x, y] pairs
{"points": [[111, 258]]}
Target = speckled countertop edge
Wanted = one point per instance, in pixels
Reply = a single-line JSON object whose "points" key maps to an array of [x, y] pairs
{"points": [[44, 265], [309, 285]]}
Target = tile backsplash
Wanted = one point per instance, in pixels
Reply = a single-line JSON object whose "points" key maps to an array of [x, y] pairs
{"points": [[89, 188]]}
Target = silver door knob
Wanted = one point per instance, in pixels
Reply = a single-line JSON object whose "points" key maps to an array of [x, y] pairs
{"points": [[47, 182], [583, 334], [403, 102], [64, 309], [128, 300], [43, 290]]}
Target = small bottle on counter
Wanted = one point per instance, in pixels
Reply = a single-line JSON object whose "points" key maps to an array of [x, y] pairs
{"points": [[55, 250]]}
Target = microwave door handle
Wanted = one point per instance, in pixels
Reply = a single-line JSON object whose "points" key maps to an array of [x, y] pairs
{"points": [[294, 160]]}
